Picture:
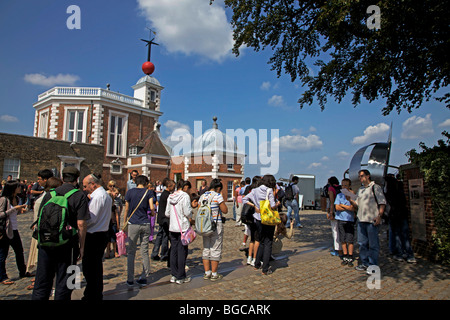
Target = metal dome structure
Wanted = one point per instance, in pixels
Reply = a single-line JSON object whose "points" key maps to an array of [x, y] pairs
{"points": [[214, 141]]}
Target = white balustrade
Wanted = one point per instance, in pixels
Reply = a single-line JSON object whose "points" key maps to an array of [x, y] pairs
{"points": [[93, 92]]}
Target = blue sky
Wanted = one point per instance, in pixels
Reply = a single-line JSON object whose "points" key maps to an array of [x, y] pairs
{"points": [[201, 77]]}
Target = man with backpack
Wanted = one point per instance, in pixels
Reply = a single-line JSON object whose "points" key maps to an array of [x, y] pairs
{"points": [[54, 258], [291, 193]]}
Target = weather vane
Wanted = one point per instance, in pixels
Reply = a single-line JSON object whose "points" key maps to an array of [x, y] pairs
{"points": [[148, 67]]}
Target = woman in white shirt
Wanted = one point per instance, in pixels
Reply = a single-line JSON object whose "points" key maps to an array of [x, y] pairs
{"points": [[179, 212], [9, 209]]}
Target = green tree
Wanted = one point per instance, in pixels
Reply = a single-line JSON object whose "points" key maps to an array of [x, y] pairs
{"points": [[405, 62], [434, 163]]}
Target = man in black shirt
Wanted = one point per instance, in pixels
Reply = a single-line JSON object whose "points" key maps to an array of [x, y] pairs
{"points": [[55, 261], [162, 238]]}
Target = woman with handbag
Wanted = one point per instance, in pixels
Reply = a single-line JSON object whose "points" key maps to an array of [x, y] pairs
{"points": [[9, 234], [179, 212], [264, 192], [137, 226]]}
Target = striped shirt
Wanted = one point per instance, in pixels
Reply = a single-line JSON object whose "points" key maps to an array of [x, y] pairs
{"points": [[217, 199]]}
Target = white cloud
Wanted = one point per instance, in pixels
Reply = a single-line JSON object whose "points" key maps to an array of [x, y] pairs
{"points": [[315, 165], [325, 158], [312, 129], [446, 123], [276, 101], [49, 81], [343, 154], [417, 127], [8, 118], [265, 85], [171, 125], [299, 143], [373, 134], [190, 27]]}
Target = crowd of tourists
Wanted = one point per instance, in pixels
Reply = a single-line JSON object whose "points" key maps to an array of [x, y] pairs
{"points": [[91, 220]]}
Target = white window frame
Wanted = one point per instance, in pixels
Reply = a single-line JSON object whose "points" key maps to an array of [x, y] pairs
{"points": [[43, 124], [68, 109], [6, 170], [133, 151], [230, 191], [124, 150]]}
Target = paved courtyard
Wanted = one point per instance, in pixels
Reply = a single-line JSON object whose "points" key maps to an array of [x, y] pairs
{"points": [[304, 270]]}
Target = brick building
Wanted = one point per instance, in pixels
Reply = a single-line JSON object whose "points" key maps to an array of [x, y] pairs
{"points": [[23, 156], [125, 126], [213, 155]]}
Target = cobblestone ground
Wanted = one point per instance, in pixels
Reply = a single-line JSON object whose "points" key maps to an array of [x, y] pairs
{"points": [[304, 270]]}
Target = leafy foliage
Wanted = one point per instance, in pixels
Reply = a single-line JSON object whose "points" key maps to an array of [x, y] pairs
{"points": [[405, 61], [435, 164]]}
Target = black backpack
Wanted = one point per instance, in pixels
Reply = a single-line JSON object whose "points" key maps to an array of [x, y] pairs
{"points": [[325, 190], [324, 193], [247, 214], [289, 193], [338, 189]]}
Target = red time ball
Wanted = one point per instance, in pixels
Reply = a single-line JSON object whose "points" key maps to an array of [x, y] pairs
{"points": [[148, 67]]}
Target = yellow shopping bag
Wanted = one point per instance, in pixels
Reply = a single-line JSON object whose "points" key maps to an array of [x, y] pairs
{"points": [[268, 216]]}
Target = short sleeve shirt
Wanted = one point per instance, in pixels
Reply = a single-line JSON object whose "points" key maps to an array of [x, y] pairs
{"points": [[133, 197], [217, 199], [78, 204], [344, 215]]}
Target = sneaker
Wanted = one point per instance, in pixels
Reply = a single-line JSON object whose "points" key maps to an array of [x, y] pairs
{"points": [[216, 277], [156, 258], [398, 258], [173, 279], [361, 267], [185, 280], [411, 260], [268, 272], [344, 261], [253, 262], [249, 260], [350, 262], [130, 284], [142, 282], [206, 276], [334, 253]]}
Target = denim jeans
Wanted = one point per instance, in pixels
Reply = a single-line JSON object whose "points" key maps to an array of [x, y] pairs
{"points": [[16, 244], [292, 205], [4, 249], [369, 244], [54, 261], [162, 242], [399, 238], [138, 233]]}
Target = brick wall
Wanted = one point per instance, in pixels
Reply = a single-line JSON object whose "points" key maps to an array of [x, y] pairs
{"points": [[40, 153], [421, 247]]}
